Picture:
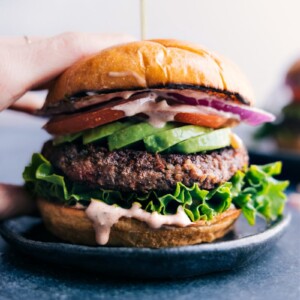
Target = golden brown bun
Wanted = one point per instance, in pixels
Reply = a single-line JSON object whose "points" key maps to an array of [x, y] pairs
{"points": [[72, 225], [150, 64]]}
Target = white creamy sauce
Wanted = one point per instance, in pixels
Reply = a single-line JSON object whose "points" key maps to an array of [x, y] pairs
{"points": [[140, 80], [161, 112], [78, 206], [104, 216], [94, 98]]}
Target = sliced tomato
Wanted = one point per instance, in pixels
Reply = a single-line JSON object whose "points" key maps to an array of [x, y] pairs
{"points": [[67, 124], [73, 123], [211, 121]]}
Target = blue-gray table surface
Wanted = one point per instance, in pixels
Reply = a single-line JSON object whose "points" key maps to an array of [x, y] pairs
{"points": [[275, 275]]}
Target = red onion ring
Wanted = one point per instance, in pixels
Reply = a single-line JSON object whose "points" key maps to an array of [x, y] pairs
{"points": [[250, 115]]}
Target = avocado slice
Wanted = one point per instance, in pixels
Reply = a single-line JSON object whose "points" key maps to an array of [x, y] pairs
{"points": [[66, 138], [211, 141], [166, 139], [133, 134], [98, 133]]}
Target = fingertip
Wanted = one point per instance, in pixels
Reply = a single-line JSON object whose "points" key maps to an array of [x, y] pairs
{"points": [[32, 64], [90, 43]]}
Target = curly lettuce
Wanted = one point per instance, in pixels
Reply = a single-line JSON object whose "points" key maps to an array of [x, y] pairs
{"points": [[254, 190]]}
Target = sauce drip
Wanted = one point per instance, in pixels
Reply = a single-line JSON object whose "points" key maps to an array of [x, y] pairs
{"points": [[161, 112], [94, 98], [104, 216]]}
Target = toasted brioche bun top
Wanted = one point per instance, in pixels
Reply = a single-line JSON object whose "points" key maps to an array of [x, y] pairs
{"points": [[149, 65]]}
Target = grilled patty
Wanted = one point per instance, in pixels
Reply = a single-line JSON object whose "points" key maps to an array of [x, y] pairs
{"points": [[141, 171]]}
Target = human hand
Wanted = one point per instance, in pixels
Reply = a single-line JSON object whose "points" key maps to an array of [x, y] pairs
{"points": [[32, 65], [14, 201], [28, 64]]}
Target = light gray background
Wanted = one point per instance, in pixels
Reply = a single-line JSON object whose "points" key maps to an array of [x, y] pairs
{"points": [[262, 36]]}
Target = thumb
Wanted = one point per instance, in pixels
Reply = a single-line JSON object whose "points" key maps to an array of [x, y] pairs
{"points": [[32, 64], [15, 201]]}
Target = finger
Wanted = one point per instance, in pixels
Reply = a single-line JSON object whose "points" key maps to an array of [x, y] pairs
{"points": [[19, 40], [31, 65], [81, 45], [15, 201], [28, 103], [45, 85], [48, 58]]}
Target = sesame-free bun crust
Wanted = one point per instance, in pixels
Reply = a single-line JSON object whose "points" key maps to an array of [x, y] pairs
{"points": [[152, 64], [72, 225]]}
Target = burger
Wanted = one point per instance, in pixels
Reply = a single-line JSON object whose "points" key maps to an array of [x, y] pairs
{"points": [[286, 131], [143, 153]]}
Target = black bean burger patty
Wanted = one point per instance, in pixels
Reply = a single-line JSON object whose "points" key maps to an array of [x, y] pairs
{"points": [[141, 171]]}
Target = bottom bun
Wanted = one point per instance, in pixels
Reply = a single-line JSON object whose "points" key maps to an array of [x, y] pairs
{"points": [[72, 225]]}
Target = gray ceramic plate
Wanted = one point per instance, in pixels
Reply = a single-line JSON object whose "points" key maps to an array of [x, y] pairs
{"points": [[243, 245]]}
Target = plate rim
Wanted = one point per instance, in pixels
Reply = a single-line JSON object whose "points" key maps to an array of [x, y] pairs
{"points": [[13, 237]]}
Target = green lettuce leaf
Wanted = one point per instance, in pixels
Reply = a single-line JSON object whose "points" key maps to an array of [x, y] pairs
{"points": [[254, 190]]}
